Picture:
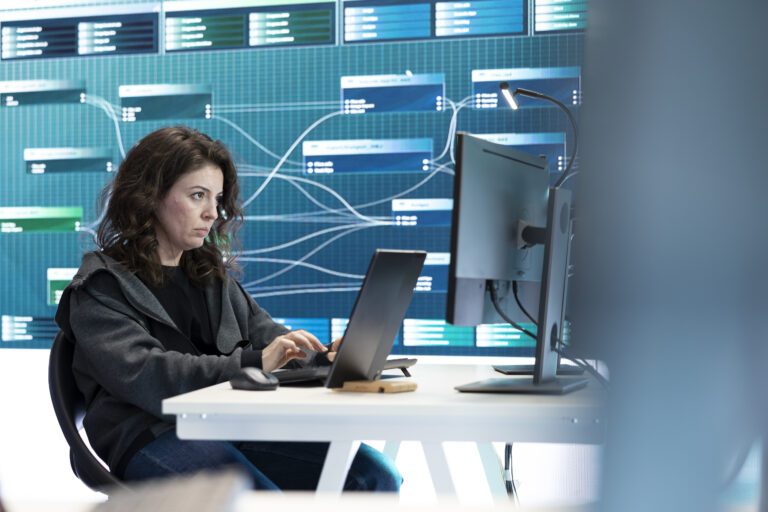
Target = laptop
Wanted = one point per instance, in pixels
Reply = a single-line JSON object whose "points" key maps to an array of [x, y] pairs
{"points": [[376, 316]]}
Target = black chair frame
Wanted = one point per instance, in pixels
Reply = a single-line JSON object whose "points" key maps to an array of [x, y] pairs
{"points": [[69, 405]]}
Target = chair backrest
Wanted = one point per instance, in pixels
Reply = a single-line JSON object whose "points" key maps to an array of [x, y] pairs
{"points": [[69, 405]]}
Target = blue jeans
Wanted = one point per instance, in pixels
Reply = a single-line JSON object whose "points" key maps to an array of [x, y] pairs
{"points": [[271, 465]]}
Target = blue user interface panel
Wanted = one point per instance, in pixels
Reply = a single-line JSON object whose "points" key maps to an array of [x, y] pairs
{"points": [[265, 23], [354, 156], [37, 92], [341, 116], [378, 21], [484, 17], [34, 37], [42, 160], [562, 83], [381, 20], [559, 16], [392, 93], [165, 101]]}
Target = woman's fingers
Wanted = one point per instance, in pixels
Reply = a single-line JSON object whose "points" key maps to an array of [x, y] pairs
{"points": [[306, 340]]}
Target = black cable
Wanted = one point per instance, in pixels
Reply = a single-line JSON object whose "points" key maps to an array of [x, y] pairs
{"points": [[495, 301], [509, 475], [520, 304], [507, 471], [581, 364], [585, 366]]}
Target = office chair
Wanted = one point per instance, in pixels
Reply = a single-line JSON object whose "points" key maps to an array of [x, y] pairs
{"points": [[69, 405]]}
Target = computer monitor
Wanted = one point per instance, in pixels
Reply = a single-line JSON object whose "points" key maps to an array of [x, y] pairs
{"points": [[497, 190], [510, 227]]}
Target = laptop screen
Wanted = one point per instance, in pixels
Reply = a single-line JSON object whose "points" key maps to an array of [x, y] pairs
{"points": [[378, 312]]}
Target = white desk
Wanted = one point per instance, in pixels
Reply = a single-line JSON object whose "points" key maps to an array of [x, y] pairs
{"points": [[292, 502], [433, 414]]}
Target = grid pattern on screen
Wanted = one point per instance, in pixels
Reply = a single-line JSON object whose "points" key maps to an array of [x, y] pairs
{"points": [[259, 77]]}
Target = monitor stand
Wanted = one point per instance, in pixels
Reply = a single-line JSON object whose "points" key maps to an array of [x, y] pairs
{"points": [[553, 291], [524, 385], [527, 369]]}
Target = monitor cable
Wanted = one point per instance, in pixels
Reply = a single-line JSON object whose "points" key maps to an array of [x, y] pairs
{"points": [[497, 307], [509, 476], [584, 365], [559, 349], [520, 304]]}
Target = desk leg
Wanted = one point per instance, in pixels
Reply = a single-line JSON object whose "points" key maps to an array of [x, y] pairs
{"points": [[493, 471], [336, 467], [391, 449], [438, 468]]}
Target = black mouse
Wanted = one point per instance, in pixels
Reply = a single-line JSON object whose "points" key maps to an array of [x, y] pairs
{"points": [[254, 379]]}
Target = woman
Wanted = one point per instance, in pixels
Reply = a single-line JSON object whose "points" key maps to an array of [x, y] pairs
{"points": [[154, 314]]}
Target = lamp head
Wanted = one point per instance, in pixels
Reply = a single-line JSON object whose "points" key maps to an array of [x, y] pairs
{"points": [[509, 96]]}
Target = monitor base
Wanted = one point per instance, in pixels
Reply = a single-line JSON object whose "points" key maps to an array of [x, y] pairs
{"points": [[527, 369], [524, 385]]}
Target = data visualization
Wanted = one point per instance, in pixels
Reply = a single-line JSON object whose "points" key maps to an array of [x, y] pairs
{"points": [[341, 116]]}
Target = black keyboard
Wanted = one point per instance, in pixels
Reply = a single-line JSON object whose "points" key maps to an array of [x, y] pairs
{"points": [[317, 374]]}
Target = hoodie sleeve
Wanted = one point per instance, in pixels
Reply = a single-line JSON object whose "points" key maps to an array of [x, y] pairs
{"points": [[119, 353], [262, 329]]}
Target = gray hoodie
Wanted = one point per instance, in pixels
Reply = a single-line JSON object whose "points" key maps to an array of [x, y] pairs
{"points": [[129, 355]]}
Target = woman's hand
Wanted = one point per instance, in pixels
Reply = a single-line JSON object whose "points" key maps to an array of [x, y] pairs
{"points": [[286, 347], [331, 355]]}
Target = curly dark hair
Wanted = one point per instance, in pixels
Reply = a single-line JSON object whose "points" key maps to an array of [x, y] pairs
{"points": [[149, 170]]}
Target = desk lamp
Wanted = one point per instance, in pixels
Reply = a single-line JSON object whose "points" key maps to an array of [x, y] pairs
{"points": [[511, 98]]}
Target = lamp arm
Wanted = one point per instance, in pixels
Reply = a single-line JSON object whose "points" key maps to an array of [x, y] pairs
{"points": [[574, 128]]}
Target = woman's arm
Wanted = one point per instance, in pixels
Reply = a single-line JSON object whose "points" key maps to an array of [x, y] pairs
{"points": [[279, 346], [129, 363]]}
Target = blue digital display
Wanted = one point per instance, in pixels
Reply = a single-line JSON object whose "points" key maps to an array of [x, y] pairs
{"points": [[320, 327], [42, 160], [559, 16], [82, 36], [339, 326], [434, 276], [436, 333], [378, 20], [280, 24], [422, 212], [27, 331], [563, 84], [165, 101], [341, 116], [504, 335], [485, 17], [37, 92], [399, 155], [392, 93], [371, 21]]}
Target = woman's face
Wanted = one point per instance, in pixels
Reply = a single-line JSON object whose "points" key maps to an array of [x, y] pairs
{"points": [[185, 215]]}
